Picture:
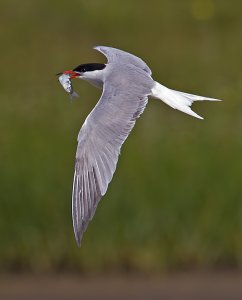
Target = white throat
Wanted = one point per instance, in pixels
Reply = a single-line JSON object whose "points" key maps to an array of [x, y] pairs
{"points": [[94, 77]]}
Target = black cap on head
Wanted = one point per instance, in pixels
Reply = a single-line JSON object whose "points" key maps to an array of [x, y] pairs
{"points": [[89, 67]]}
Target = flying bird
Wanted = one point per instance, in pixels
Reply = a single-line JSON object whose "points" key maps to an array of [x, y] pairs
{"points": [[126, 84]]}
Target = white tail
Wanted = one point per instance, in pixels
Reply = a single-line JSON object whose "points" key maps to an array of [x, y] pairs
{"points": [[178, 100]]}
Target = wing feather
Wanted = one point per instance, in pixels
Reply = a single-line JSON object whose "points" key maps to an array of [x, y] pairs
{"points": [[115, 55], [100, 140]]}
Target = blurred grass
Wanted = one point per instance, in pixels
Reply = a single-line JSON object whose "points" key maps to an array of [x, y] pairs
{"points": [[175, 199]]}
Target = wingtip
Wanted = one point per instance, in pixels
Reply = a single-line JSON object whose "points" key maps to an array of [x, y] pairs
{"points": [[78, 242], [97, 48], [78, 239], [102, 48], [77, 234]]}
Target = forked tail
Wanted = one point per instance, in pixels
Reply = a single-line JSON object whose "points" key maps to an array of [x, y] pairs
{"points": [[178, 100]]}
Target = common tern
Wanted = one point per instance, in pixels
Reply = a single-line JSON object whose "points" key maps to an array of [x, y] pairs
{"points": [[127, 83]]}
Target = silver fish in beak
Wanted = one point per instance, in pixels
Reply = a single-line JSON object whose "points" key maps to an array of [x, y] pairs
{"points": [[65, 81]]}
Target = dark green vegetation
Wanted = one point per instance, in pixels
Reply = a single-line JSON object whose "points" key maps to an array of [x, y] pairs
{"points": [[176, 198]]}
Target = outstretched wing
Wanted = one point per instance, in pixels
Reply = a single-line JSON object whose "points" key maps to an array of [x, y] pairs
{"points": [[124, 98], [116, 55]]}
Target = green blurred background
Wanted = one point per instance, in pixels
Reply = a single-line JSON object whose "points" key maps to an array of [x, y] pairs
{"points": [[175, 200]]}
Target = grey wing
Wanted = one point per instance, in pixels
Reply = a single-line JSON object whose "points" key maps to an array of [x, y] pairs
{"points": [[99, 143], [116, 55]]}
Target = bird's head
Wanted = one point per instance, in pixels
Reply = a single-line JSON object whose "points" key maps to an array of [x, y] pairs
{"points": [[91, 67], [84, 69]]}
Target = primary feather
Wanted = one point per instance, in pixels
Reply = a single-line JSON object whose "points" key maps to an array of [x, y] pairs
{"points": [[100, 139]]}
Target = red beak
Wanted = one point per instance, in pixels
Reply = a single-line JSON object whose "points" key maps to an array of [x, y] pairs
{"points": [[71, 73]]}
